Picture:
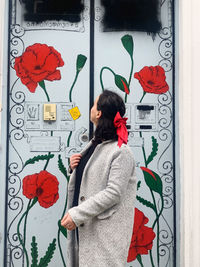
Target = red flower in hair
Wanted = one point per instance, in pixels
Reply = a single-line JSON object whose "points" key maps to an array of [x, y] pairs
{"points": [[142, 238], [39, 62], [42, 185], [152, 79]]}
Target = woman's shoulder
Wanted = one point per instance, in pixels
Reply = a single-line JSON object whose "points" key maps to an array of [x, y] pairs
{"points": [[114, 148]]}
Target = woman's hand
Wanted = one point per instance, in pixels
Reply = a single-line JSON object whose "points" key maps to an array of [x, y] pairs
{"points": [[67, 222], [74, 160]]}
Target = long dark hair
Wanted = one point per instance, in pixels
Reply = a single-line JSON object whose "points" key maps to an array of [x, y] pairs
{"points": [[109, 103]]}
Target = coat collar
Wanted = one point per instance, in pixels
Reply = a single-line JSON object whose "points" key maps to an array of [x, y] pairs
{"points": [[90, 143]]}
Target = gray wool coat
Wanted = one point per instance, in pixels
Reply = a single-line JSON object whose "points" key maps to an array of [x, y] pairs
{"points": [[105, 213]]}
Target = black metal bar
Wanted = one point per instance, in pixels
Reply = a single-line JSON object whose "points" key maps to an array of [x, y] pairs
{"points": [[91, 90], [7, 129]]}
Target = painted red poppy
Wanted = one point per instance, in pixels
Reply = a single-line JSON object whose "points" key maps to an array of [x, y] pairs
{"points": [[152, 79], [39, 62], [42, 185], [142, 238]]}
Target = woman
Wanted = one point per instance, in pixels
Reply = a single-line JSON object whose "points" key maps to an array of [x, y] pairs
{"points": [[102, 191]]}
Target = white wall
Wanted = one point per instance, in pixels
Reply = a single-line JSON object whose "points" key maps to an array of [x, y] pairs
{"points": [[189, 95], [189, 88]]}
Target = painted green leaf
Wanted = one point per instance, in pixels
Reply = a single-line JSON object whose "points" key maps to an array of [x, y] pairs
{"points": [[138, 185], [37, 158], [62, 229], [80, 62], [121, 83], [62, 168], [146, 202], [34, 252], [127, 41], [152, 180], [48, 255], [154, 150]]}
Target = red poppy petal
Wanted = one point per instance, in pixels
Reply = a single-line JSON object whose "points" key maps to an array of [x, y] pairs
{"points": [[139, 219], [54, 76], [141, 250], [48, 202], [145, 237], [38, 77], [43, 175], [125, 87], [58, 56], [29, 84], [29, 186], [20, 71], [49, 187], [48, 183], [28, 61], [152, 79], [41, 51], [51, 63], [132, 254], [142, 238]]}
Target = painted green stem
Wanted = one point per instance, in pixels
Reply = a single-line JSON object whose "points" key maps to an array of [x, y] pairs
{"points": [[161, 210], [158, 228], [130, 77], [25, 222], [131, 73], [146, 165], [101, 73], [60, 249], [59, 245], [70, 92], [144, 153], [42, 85], [47, 162], [69, 138], [18, 231], [156, 212], [65, 206], [144, 93], [139, 258]]}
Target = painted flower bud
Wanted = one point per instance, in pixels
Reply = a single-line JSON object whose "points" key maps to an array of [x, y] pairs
{"points": [[122, 84], [152, 180], [80, 62], [127, 42]]}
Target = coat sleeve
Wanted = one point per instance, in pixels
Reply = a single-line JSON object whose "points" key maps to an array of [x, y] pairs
{"points": [[121, 170]]}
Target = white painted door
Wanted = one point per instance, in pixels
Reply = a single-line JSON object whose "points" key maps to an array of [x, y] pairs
{"points": [[48, 120]]}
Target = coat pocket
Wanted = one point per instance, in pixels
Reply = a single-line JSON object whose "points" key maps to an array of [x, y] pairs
{"points": [[108, 213]]}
